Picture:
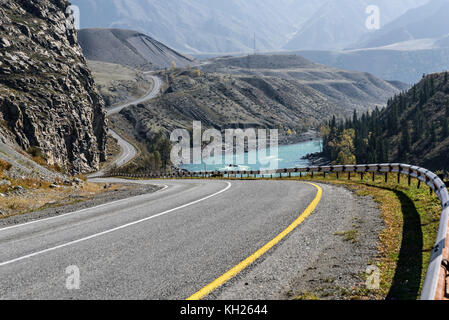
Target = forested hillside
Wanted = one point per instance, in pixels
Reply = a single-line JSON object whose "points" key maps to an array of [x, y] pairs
{"points": [[412, 129]]}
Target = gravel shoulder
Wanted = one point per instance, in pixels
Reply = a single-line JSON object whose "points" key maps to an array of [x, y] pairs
{"points": [[126, 191], [324, 258]]}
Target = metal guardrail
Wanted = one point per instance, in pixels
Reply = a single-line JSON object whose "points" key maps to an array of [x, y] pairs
{"points": [[435, 269]]}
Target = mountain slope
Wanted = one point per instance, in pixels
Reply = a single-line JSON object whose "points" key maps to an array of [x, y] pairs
{"points": [[339, 23], [414, 128], [424, 22], [48, 99], [344, 90], [390, 64], [202, 25], [285, 92], [129, 48]]}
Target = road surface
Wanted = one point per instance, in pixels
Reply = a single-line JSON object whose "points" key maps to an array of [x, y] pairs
{"points": [[128, 152], [166, 245]]}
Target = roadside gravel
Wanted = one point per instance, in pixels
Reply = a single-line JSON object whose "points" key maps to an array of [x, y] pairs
{"points": [[326, 257]]}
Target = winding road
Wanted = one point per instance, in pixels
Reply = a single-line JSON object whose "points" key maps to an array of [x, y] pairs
{"points": [[192, 239], [128, 152], [165, 245]]}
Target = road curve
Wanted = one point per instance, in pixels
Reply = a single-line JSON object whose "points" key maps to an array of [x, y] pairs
{"points": [[165, 245], [157, 83], [128, 152]]}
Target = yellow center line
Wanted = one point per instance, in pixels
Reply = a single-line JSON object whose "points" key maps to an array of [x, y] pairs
{"points": [[251, 259]]}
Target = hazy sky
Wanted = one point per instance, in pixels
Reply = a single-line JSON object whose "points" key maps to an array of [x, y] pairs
{"points": [[229, 25]]}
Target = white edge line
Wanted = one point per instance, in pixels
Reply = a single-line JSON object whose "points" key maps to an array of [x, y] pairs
{"points": [[81, 211], [114, 229]]}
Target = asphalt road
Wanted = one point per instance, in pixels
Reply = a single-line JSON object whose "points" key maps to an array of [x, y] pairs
{"points": [[165, 245], [150, 95], [129, 152]]}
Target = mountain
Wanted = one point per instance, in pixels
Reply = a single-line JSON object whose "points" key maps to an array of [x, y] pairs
{"points": [[263, 91], [202, 25], [339, 23], [342, 90], [425, 22], [129, 48], [406, 64], [217, 26], [414, 128], [414, 44], [49, 104]]}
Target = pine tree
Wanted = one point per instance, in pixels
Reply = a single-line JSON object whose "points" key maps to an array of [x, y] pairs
{"points": [[406, 140], [444, 128], [433, 133]]}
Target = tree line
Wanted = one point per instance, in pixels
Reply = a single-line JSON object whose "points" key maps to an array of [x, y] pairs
{"points": [[413, 124]]}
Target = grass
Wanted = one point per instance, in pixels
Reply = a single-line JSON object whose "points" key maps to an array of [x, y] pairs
{"points": [[411, 217], [37, 156], [4, 166], [38, 195], [307, 296], [351, 235]]}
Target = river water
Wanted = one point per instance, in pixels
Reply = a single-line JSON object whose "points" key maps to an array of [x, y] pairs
{"points": [[289, 156]]}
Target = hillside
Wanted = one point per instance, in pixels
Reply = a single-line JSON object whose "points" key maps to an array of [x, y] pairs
{"points": [[295, 96], [339, 23], [406, 65], [129, 48], [412, 129], [425, 22], [404, 49], [339, 90], [49, 105], [118, 83]]}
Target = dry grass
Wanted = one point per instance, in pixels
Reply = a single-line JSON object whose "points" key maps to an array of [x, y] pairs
{"points": [[38, 195], [4, 166], [411, 217]]}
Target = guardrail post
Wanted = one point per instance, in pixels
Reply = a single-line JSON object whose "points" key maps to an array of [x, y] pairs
{"points": [[374, 177], [349, 175], [409, 180], [386, 177], [419, 184], [362, 175], [399, 177], [324, 175], [338, 175]]}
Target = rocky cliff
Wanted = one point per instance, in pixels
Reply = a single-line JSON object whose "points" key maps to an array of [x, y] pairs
{"points": [[48, 99]]}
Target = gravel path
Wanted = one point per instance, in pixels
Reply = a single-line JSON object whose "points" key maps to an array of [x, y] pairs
{"points": [[315, 260]]}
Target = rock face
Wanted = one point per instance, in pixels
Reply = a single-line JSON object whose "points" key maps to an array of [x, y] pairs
{"points": [[48, 98]]}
